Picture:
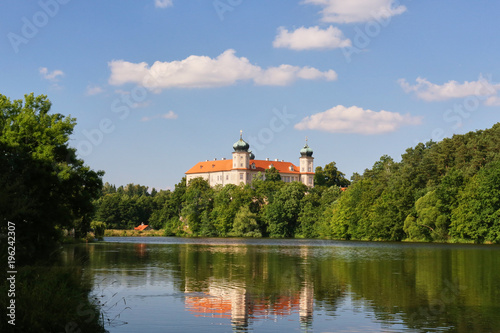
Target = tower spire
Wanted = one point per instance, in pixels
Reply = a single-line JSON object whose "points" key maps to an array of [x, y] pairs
{"points": [[241, 134]]}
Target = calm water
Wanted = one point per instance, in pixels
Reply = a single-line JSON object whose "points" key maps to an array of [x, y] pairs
{"points": [[223, 285]]}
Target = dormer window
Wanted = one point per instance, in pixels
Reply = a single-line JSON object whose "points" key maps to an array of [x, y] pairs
{"points": [[253, 165], [271, 165], [291, 168]]}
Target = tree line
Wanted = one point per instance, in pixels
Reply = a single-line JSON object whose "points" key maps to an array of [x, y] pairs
{"points": [[438, 192], [446, 191], [268, 207]]}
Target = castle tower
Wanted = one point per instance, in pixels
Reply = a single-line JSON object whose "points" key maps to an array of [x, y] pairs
{"points": [[306, 166], [241, 155]]}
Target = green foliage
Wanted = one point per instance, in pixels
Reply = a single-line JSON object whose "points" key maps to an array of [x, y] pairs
{"points": [[272, 175], [420, 196], [437, 192], [330, 176], [44, 187], [197, 204], [477, 216], [429, 223], [282, 214], [245, 224], [99, 228]]}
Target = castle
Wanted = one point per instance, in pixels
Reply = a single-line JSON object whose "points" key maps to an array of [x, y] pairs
{"points": [[243, 167]]}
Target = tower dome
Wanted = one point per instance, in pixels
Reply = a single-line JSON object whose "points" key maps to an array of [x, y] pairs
{"points": [[241, 145], [252, 155], [306, 151]]}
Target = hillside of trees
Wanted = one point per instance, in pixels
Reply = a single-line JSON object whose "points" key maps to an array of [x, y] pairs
{"points": [[446, 191]]}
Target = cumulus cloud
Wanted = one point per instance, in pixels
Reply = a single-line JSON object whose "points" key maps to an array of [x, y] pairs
{"points": [[205, 72], [311, 38], [93, 90], [341, 119], [163, 3], [351, 11], [428, 91], [51, 76], [169, 115]]}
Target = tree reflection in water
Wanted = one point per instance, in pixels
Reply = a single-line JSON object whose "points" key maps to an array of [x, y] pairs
{"points": [[314, 286]]}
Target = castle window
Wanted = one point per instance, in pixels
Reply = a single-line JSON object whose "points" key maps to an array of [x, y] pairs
{"points": [[309, 169], [241, 176], [302, 169]]}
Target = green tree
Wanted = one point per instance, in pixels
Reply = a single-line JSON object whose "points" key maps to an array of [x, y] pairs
{"points": [[477, 216], [44, 187], [310, 211], [272, 175], [245, 224], [330, 176], [429, 223], [198, 203], [99, 229], [282, 214]]}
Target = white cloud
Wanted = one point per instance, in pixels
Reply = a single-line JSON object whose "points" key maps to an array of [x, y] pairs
{"points": [[163, 3], [341, 119], [205, 72], [311, 38], [492, 101], [286, 74], [94, 90], [51, 76], [169, 115], [428, 91], [350, 11]]}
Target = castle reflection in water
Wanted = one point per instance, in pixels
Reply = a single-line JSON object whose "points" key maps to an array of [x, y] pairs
{"points": [[255, 284], [234, 302], [232, 299]]}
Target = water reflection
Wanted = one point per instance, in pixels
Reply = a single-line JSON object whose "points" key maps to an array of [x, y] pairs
{"points": [[241, 307], [351, 287]]}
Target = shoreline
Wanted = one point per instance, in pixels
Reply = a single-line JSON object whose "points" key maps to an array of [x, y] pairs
{"points": [[161, 233]]}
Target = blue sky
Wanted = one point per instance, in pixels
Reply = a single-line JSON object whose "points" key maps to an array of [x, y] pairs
{"points": [[158, 85]]}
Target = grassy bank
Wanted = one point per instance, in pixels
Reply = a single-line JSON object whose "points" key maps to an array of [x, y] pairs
{"points": [[133, 233], [51, 299]]}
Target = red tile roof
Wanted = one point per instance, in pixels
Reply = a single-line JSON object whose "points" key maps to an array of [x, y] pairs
{"points": [[260, 165], [211, 166], [141, 227]]}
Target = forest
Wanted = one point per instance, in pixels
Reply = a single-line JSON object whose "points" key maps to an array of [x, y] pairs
{"points": [[446, 191]]}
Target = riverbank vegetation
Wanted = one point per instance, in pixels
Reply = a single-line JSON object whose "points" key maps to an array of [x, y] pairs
{"points": [[446, 192], [44, 190], [133, 233]]}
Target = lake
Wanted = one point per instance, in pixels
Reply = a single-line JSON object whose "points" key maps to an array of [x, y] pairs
{"points": [[168, 284]]}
